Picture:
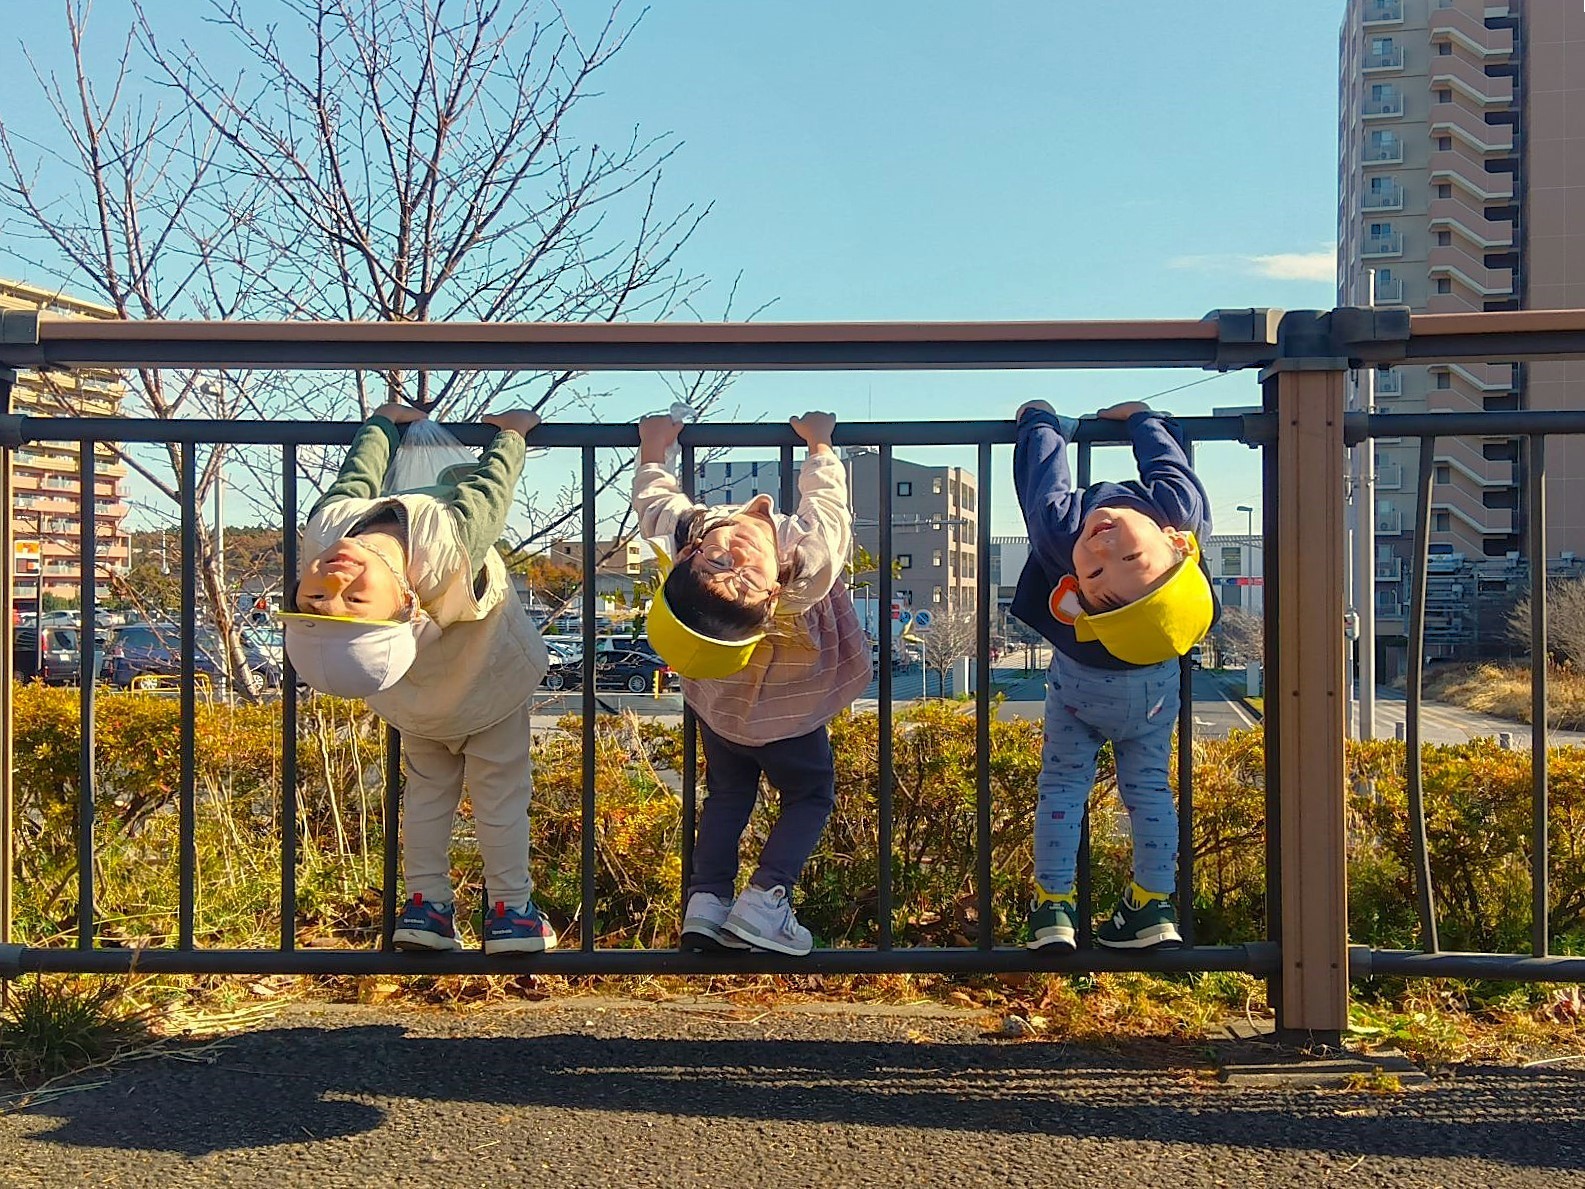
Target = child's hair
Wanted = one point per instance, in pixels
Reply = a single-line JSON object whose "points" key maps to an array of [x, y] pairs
{"points": [[699, 606]]}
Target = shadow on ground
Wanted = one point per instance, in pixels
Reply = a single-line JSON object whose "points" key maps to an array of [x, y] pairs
{"points": [[287, 1084]]}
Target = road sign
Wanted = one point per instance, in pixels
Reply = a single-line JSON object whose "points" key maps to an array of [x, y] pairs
{"points": [[903, 617], [921, 619]]}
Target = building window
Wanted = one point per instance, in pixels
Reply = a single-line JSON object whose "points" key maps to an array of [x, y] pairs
{"points": [[730, 498], [1444, 144], [1232, 559], [1442, 473], [935, 595], [1444, 49], [1444, 189], [935, 485], [905, 561], [1444, 95], [935, 557], [1444, 285], [1444, 238], [753, 470], [1443, 380], [904, 487], [1441, 522]]}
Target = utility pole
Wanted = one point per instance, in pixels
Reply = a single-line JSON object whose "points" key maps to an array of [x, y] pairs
{"points": [[1365, 546]]}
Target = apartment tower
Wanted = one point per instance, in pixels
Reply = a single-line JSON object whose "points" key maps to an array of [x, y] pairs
{"points": [[47, 518], [1457, 178]]}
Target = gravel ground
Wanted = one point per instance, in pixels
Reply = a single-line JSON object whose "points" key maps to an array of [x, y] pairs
{"points": [[602, 1092]]}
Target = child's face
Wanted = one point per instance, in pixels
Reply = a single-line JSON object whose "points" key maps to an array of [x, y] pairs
{"points": [[1120, 556], [352, 579], [739, 554]]}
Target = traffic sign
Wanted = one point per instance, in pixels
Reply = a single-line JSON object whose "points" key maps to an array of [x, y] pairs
{"points": [[902, 616], [921, 619]]}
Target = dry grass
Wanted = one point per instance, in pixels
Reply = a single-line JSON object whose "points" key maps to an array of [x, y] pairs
{"points": [[1504, 692]]}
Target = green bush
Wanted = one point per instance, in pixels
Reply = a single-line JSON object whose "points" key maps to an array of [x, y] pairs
{"points": [[1477, 795]]}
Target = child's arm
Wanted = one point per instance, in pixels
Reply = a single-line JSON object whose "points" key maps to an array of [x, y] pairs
{"points": [[362, 472], [1042, 480], [658, 500], [1164, 469], [821, 531], [483, 500]]}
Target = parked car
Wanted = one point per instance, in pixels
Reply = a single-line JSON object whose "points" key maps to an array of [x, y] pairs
{"points": [[61, 657], [155, 649], [627, 669]]}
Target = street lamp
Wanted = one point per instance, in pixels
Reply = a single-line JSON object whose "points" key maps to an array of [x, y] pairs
{"points": [[1249, 519]]}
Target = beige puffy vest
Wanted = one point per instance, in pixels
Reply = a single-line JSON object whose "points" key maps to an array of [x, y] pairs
{"points": [[489, 659]]}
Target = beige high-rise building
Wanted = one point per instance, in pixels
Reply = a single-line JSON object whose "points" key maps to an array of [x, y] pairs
{"points": [[47, 518], [1457, 180]]}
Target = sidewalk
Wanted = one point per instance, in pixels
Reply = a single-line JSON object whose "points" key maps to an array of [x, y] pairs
{"points": [[612, 1092]]}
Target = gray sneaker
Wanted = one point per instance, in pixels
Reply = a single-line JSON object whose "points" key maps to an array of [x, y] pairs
{"points": [[702, 924], [765, 920]]}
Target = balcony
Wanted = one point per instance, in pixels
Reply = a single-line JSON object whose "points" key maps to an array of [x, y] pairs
{"points": [[1389, 292], [1386, 106], [1389, 570], [1389, 476], [1389, 524], [1388, 153], [1388, 196], [1382, 12], [1384, 60], [1382, 245], [1389, 382]]}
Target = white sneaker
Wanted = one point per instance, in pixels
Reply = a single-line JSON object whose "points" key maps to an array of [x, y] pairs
{"points": [[765, 920], [702, 924]]}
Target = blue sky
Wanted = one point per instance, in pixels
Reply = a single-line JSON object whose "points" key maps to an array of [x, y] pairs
{"points": [[1016, 160]]}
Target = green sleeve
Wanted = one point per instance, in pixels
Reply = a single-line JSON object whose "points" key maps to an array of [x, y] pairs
{"points": [[362, 473], [483, 500]]}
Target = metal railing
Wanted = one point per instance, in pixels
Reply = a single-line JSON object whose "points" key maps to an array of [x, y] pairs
{"points": [[1301, 433], [1382, 245], [1388, 153], [1387, 197]]}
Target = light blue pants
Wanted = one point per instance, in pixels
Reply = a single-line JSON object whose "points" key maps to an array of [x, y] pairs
{"points": [[1136, 709]]}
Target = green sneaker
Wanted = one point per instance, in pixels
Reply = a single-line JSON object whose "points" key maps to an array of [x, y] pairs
{"points": [[1051, 923], [1153, 924]]}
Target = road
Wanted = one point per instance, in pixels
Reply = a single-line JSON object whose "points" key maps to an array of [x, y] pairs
{"points": [[590, 1092], [1216, 710]]}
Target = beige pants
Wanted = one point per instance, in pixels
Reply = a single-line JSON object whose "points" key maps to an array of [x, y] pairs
{"points": [[496, 768]]}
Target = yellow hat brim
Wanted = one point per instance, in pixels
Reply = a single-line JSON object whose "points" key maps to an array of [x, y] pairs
{"points": [[1164, 624], [693, 654]]}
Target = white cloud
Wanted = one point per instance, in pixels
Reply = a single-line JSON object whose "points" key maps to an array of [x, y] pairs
{"points": [[1297, 266], [1320, 265]]}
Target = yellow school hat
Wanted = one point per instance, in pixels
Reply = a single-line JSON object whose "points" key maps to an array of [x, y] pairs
{"points": [[690, 653], [1166, 623]]}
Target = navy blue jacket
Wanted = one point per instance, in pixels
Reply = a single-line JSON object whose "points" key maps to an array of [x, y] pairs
{"points": [[1167, 490]]}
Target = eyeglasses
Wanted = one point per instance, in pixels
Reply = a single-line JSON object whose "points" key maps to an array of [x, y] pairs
{"points": [[721, 561]]}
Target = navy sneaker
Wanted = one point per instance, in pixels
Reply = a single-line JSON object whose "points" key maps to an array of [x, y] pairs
{"points": [[426, 928], [517, 931]]}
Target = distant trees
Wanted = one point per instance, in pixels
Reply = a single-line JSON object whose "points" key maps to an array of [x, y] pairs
{"points": [[1565, 608]]}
